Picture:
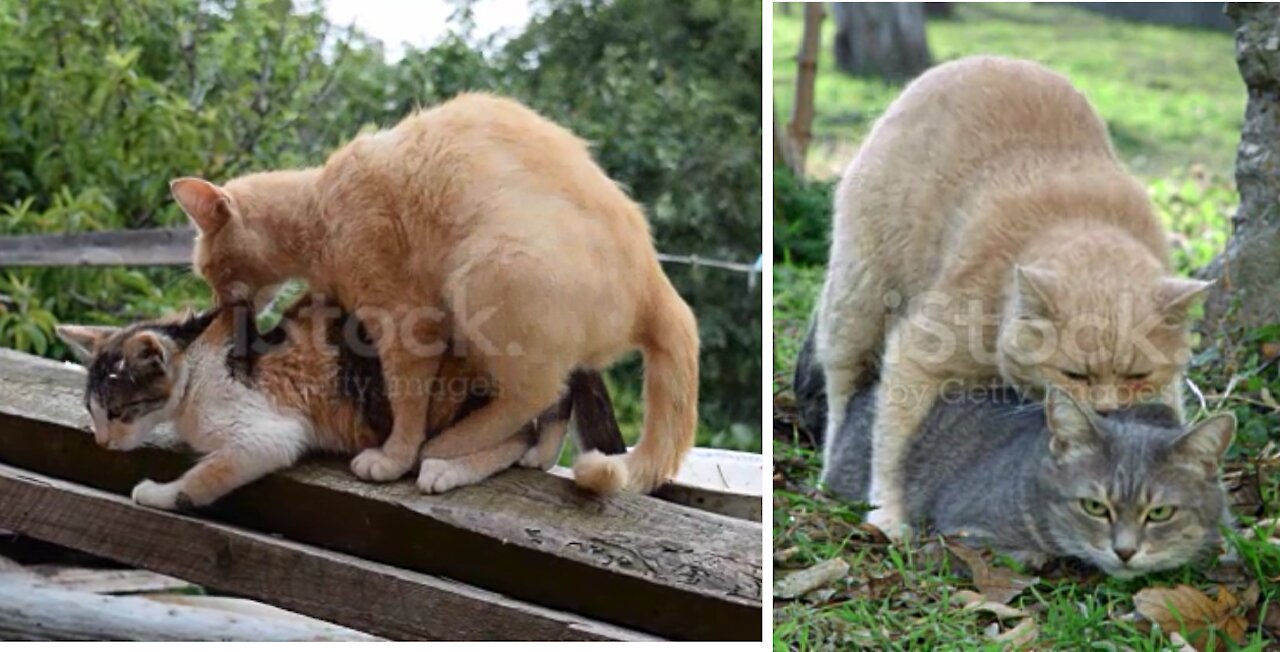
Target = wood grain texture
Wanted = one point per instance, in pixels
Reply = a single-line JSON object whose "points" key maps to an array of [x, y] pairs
{"points": [[630, 560], [108, 248], [37, 612], [338, 588], [114, 581]]}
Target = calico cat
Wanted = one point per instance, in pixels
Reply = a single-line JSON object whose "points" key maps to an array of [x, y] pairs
{"points": [[1131, 493], [985, 230], [481, 223], [255, 403]]}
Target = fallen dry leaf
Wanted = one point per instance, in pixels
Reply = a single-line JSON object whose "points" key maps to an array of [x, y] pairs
{"points": [[873, 533], [1021, 636], [801, 582], [974, 601], [1270, 349], [1189, 612], [996, 583]]}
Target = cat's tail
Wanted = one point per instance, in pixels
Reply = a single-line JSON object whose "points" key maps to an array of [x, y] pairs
{"points": [[669, 339]]}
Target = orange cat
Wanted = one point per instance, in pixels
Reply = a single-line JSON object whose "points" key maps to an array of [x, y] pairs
{"points": [[480, 222]]}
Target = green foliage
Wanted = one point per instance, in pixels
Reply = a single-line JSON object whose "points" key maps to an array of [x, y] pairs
{"points": [[103, 102], [1196, 207], [801, 218]]}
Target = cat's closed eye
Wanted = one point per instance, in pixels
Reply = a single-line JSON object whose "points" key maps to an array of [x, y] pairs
{"points": [[1137, 376], [1075, 375]]}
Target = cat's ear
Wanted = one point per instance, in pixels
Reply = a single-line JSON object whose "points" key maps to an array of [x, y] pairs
{"points": [[1176, 296], [145, 347], [208, 206], [1033, 288], [1072, 427], [1206, 442], [84, 341]]}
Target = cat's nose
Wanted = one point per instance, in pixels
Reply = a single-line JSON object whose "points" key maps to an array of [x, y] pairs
{"points": [[1125, 554]]}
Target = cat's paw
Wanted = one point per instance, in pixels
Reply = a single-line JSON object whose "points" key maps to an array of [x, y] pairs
{"points": [[538, 458], [890, 522], [374, 465], [167, 496], [438, 476]]}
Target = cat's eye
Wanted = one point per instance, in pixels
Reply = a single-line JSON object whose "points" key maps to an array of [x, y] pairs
{"points": [[1161, 513], [1095, 508], [1076, 376], [1137, 376]]}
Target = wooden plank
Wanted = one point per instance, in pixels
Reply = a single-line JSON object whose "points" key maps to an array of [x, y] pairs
{"points": [[233, 606], [630, 560], [105, 248], [30, 611], [10, 566], [338, 588], [114, 581], [725, 503]]}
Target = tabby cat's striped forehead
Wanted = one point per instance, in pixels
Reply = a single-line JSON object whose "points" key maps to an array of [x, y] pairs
{"points": [[128, 386]]}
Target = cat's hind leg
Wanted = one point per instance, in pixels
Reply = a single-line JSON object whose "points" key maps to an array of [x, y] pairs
{"points": [[907, 393], [548, 435], [441, 475], [526, 390]]}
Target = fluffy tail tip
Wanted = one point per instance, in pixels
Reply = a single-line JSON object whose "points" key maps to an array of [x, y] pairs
{"points": [[600, 473]]}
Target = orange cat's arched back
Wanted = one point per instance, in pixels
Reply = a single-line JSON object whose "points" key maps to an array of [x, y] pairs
{"points": [[482, 224]]}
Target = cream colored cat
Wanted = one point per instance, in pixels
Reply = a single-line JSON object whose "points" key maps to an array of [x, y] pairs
{"points": [[477, 223], [985, 230]]}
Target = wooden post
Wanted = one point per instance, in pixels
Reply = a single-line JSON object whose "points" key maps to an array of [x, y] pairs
{"points": [[800, 129]]}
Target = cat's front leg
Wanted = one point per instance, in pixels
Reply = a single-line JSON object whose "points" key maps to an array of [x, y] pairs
{"points": [[225, 470], [167, 496], [1171, 395], [441, 475], [907, 394], [408, 369]]}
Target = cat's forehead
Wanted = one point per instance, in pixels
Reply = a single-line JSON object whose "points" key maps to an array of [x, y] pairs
{"points": [[1135, 462]]}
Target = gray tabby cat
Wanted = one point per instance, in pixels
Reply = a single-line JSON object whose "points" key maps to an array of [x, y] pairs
{"points": [[1131, 493]]}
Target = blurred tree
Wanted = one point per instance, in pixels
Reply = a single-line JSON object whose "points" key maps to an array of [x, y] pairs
{"points": [[1247, 295], [885, 39], [669, 94], [799, 129]]}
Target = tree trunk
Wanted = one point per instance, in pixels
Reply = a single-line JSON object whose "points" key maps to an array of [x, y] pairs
{"points": [[784, 150], [1247, 295], [884, 39], [800, 129]]}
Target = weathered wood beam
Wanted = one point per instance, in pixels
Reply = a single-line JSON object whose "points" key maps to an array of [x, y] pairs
{"points": [[33, 612], [141, 247], [338, 588], [630, 560], [114, 581]]}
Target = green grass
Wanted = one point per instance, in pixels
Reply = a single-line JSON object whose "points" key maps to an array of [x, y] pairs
{"points": [[1172, 97], [1173, 100]]}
